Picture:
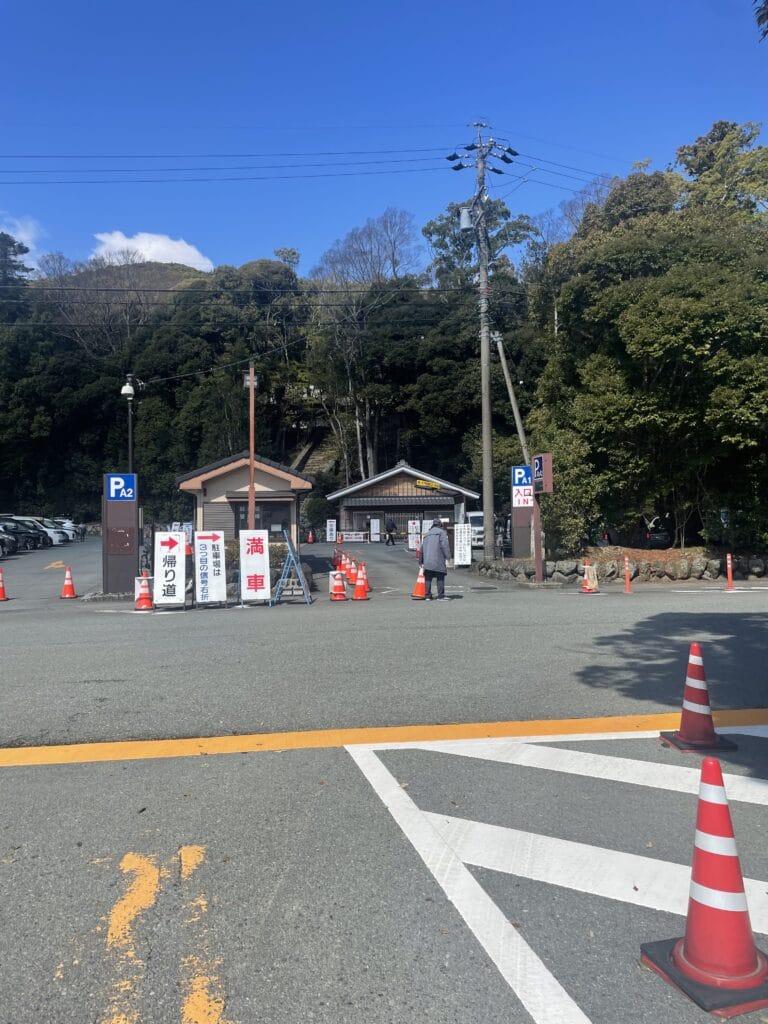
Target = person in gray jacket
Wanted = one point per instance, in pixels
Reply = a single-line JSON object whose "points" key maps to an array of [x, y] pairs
{"points": [[435, 550]]}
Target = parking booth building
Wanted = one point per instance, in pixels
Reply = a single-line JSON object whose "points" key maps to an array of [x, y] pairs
{"points": [[220, 491], [400, 494]]}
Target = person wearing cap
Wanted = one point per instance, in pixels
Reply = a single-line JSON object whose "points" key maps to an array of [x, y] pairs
{"points": [[435, 551]]}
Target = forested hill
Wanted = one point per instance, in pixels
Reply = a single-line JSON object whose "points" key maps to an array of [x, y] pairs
{"points": [[635, 321]]}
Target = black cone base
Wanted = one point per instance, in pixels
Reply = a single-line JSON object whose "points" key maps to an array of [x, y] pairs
{"points": [[719, 1001], [672, 739]]}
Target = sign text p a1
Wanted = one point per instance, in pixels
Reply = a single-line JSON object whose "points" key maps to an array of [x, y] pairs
{"points": [[120, 486], [522, 476]]}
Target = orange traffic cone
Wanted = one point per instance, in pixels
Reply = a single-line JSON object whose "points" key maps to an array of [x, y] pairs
{"points": [[352, 573], [697, 730], [589, 582], [338, 590], [716, 963], [3, 595], [68, 590], [361, 590], [362, 568], [420, 589], [310, 538], [144, 600]]}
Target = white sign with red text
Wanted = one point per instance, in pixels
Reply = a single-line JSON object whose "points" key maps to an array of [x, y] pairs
{"points": [[255, 582], [414, 534], [210, 568], [170, 578]]}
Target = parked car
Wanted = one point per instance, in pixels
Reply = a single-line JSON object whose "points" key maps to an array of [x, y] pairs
{"points": [[27, 539], [9, 545], [68, 527], [46, 540], [54, 531], [475, 520]]}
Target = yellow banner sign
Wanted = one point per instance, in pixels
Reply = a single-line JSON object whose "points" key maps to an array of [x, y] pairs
{"points": [[433, 485]]}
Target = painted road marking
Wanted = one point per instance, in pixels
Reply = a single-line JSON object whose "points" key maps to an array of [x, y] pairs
{"points": [[669, 777], [202, 992], [531, 731], [126, 914], [447, 844], [626, 877], [537, 989], [56, 565]]}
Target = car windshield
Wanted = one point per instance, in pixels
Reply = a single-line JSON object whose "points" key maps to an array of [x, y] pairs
{"points": [[49, 524]]}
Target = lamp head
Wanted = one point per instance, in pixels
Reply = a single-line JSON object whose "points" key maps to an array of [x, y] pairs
{"points": [[127, 391]]}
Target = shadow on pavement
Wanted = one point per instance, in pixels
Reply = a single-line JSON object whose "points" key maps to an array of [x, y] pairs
{"points": [[649, 661]]}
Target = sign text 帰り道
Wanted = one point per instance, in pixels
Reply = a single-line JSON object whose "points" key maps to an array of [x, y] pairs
{"points": [[255, 581], [170, 579], [330, 531], [121, 487], [462, 544], [210, 568]]}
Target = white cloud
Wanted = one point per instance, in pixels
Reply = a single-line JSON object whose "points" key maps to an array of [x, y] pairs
{"points": [[156, 248], [26, 230]]}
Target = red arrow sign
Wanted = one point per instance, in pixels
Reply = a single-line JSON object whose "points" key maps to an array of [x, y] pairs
{"points": [[208, 536], [170, 543]]}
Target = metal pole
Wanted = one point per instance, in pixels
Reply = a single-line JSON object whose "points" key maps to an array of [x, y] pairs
{"points": [[252, 454], [130, 435], [485, 352], [512, 399]]}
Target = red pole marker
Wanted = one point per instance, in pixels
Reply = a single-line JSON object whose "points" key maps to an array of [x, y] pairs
{"points": [[729, 572], [627, 587], [697, 730], [716, 963]]}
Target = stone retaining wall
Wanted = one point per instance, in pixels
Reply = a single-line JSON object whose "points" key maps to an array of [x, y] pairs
{"points": [[745, 567]]}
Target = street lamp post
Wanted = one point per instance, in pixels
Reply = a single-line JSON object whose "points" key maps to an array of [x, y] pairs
{"points": [[128, 391], [249, 382]]}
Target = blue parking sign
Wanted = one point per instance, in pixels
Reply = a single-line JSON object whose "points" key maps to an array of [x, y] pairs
{"points": [[521, 476], [120, 487]]}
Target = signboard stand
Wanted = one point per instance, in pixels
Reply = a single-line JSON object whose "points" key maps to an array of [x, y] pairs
{"points": [[291, 575]]}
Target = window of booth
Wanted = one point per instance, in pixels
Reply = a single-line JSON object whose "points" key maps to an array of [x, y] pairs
{"points": [[274, 516]]}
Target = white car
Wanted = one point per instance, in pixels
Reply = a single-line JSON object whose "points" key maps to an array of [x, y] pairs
{"points": [[475, 520], [57, 533], [68, 527]]}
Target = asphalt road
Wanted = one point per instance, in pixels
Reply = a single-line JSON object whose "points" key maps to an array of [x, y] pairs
{"points": [[358, 884]]}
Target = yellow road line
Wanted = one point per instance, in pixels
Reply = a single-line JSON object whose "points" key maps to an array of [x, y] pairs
{"points": [[138, 750]]}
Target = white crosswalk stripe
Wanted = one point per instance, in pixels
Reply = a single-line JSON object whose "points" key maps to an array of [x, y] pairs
{"points": [[448, 845]]}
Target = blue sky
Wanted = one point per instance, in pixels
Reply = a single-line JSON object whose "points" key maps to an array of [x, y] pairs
{"points": [[129, 88]]}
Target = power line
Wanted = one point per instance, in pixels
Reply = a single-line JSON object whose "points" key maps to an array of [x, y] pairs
{"points": [[261, 177], [241, 167], [209, 156]]}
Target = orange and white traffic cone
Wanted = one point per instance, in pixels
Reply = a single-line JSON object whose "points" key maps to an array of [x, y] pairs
{"points": [[419, 592], [3, 595], [68, 590], [144, 600], [589, 582], [716, 963], [310, 538], [361, 590], [362, 568], [697, 730], [352, 573], [338, 590]]}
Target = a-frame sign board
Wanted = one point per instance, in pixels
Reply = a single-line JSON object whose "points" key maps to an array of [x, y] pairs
{"points": [[291, 575]]}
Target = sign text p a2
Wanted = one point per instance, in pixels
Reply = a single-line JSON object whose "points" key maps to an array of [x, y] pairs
{"points": [[120, 486]]}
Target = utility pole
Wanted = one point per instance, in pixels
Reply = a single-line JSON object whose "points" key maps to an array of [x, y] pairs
{"points": [[250, 383], [484, 258], [474, 218]]}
